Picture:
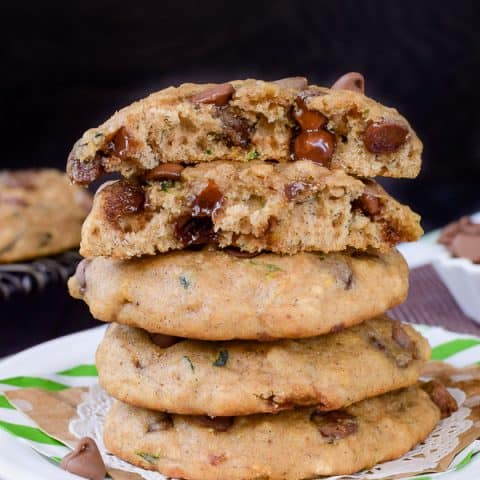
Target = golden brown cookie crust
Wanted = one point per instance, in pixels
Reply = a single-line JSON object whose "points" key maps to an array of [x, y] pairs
{"points": [[255, 122], [240, 378], [256, 206], [41, 214], [212, 295], [290, 445]]}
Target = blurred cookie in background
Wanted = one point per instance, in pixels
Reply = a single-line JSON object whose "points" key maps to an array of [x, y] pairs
{"points": [[41, 214]]}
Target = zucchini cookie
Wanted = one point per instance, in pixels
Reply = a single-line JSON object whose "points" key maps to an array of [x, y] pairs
{"points": [[293, 444], [284, 208], [41, 214], [194, 377], [250, 119], [213, 295]]}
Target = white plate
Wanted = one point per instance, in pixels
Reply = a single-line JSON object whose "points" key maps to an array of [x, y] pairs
{"points": [[18, 461]]}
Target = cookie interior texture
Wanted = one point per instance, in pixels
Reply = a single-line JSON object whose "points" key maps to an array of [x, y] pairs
{"points": [[239, 378], [283, 208], [293, 444], [212, 295], [41, 214], [248, 120]]}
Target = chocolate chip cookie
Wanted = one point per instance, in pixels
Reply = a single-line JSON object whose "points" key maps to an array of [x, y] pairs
{"points": [[284, 208], [293, 444], [194, 377], [216, 295], [246, 120], [40, 214]]}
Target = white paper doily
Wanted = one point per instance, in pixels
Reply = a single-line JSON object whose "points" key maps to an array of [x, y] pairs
{"points": [[424, 457]]}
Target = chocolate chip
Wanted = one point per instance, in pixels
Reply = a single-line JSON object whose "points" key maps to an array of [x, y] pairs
{"points": [[236, 252], [165, 171], [294, 83], [368, 204], [441, 397], [218, 95], [80, 275], [404, 357], [123, 198], [317, 146], [385, 137], [85, 460], [84, 173], [307, 119], [350, 81], [164, 341], [291, 190], [390, 234], [194, 230], [334, 425], [162, 422], [401, 338], [208, 201], [236, 130], [120, 144], [219, 424]]}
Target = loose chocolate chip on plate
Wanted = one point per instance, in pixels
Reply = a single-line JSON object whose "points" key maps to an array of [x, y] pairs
{"points": [[85, 460], [350, 81], [220, 424], [218, 95], [385, 137], [164, 341], [165, 171]]}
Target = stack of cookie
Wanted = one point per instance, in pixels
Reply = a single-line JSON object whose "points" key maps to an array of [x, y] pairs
{"points": [[247, 258]]}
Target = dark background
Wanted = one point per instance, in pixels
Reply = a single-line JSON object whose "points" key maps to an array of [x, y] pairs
{"points": [[66, 66], [69, 65]]}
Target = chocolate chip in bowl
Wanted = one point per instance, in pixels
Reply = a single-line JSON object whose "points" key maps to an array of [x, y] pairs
{"points": [[458, 263]]}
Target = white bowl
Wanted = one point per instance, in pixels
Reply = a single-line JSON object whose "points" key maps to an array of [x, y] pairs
{"points": [[462, 277]]}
